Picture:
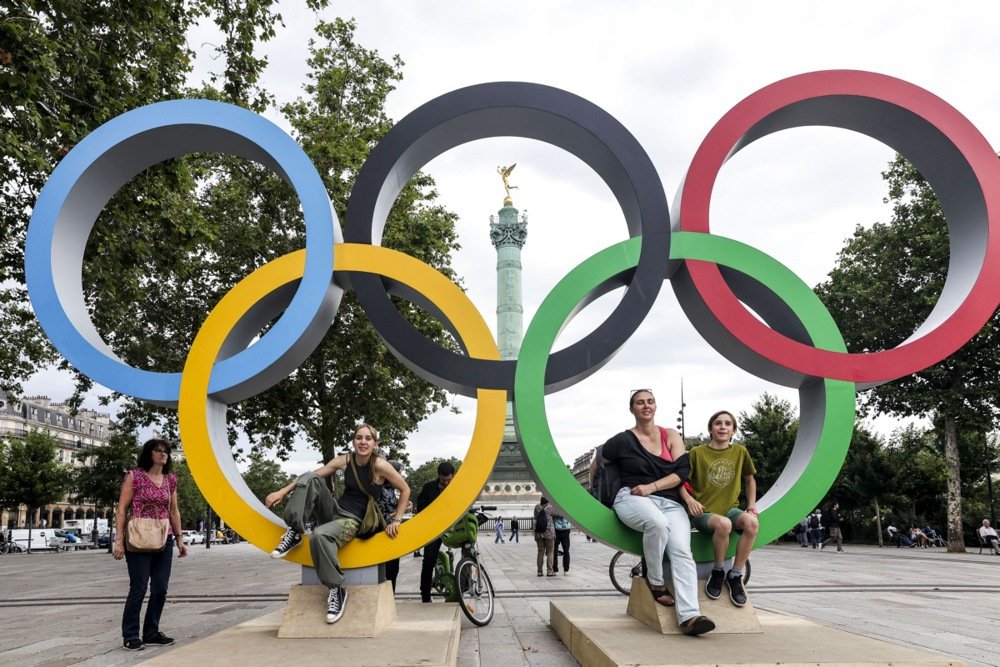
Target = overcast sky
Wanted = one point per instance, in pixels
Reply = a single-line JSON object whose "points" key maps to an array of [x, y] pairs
{"points": [[667, 71]]}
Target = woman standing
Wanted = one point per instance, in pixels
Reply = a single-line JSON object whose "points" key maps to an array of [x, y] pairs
{"points": [[653, 464], [149, 491], [337, 521]]}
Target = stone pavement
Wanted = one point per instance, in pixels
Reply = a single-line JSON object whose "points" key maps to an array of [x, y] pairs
{"points": [[64, 609]]}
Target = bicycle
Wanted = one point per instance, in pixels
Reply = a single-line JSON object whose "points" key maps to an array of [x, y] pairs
{"points": [[625, 566], [10, 548], [468, 583]]}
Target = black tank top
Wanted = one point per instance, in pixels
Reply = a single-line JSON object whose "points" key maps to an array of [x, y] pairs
{"points": [[354, 500]]}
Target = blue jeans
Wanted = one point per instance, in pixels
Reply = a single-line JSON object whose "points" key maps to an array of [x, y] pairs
{"points": [[665, 527], [150, 570]]}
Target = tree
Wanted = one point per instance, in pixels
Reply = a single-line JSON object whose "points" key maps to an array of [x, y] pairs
{"points": [[181, 234], [768, 433], [886, 282], [351, 377], [864, 479], [427, 472], [190, 502], [99, 480], [69, 67], [265, 476], [31, 475]]}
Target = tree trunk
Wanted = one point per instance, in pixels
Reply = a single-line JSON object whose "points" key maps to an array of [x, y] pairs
{"points": [[956, 536]]}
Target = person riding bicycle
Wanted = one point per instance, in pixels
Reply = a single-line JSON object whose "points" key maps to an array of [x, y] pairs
{"points": [[716, 471], [653, 464]]}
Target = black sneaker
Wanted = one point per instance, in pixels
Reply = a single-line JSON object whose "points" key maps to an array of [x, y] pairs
{"points": [[713, 587], [133, 645], [736, 592], [335, 603], [159, 639], [289, 541]]}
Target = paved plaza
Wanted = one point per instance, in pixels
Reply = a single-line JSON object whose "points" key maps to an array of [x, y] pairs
{"points": [[65, 609]]}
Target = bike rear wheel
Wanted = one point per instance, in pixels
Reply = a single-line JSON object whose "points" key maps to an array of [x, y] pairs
{"points": [[624, 566], [476, 595]]}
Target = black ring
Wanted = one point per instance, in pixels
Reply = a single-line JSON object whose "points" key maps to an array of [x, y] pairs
{"points": [[524, 110]]}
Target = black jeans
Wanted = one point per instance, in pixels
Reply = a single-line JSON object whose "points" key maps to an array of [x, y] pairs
{"points": [[150, 570], [431, 550], [562, 542]]}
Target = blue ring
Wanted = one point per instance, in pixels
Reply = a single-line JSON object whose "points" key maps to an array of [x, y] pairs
{"points": [[99, 166]]}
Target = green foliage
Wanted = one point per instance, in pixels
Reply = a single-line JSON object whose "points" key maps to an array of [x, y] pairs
{"points": [[99, 480], [426, 473], [886, 282], [865, 475], [179, 235], [190, 502], [30, 474], [768, 432], [351, 377], [263, 477]]}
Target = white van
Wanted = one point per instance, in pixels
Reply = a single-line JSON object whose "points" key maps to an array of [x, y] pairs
{"points": [[42, 539]]}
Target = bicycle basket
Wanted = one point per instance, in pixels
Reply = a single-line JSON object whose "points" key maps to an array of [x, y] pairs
{"points": [[464, 531]]}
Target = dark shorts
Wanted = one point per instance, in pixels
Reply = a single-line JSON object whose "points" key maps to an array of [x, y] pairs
{"points": [[701, 522]]}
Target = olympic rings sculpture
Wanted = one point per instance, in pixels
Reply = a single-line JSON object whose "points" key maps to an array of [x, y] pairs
{"points": [[795, 343]]}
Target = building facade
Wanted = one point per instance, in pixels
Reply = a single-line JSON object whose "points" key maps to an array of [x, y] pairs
{"points": [[73, 434]]}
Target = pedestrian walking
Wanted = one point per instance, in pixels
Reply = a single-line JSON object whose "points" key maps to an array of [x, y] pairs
{"points": [[515, 531], [499, 532], [563, 529]]}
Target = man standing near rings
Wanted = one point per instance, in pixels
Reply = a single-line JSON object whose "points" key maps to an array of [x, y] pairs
{"points": [[833, 519], [545, 537], [431, 490]]}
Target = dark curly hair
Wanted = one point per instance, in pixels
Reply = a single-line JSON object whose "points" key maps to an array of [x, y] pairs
{"points": [[146, 455]]}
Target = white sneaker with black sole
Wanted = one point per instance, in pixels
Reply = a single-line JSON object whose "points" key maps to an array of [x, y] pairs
{"points": [[336, 601], [289, 541]]}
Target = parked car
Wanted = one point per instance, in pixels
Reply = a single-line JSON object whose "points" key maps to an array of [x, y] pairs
{"points": [[193, 537]]}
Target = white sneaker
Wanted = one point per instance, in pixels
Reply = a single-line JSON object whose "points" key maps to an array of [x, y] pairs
{"points": [[336, 601]]}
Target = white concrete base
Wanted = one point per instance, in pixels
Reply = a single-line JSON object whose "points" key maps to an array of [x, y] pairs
{"points": [[423, 634], [728, 618], [370, 609], [599, 633]]}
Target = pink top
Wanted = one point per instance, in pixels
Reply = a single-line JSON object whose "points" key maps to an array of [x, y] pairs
{"points": [[150, 501]]}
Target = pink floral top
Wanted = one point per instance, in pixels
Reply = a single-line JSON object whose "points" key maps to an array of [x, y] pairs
{"points": [[150, 501]]}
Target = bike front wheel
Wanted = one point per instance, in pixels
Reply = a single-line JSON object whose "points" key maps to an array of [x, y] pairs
{"points": [[475, 591], [623, 568]]}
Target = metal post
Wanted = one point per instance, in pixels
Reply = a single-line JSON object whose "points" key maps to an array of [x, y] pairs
{"points": [[989, 481], [208, 527], [680, 414]]}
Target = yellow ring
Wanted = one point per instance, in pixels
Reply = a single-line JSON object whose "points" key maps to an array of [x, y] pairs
{"points": [[203, 419]]}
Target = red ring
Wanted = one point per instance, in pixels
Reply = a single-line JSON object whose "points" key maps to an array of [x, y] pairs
{"points": [[739, 127]]}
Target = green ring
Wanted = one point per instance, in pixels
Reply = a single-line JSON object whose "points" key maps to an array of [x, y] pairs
{"points": [[828, 447]]}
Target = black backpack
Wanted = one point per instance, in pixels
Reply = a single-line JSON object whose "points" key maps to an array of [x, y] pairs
{"points": [[541, 521], [607, 480]]}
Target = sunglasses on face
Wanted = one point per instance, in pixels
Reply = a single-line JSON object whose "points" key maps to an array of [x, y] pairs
{"points": [[160, 450]]}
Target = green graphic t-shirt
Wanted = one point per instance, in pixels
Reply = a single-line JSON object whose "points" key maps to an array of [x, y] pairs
{"points": [[714, 475]]}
